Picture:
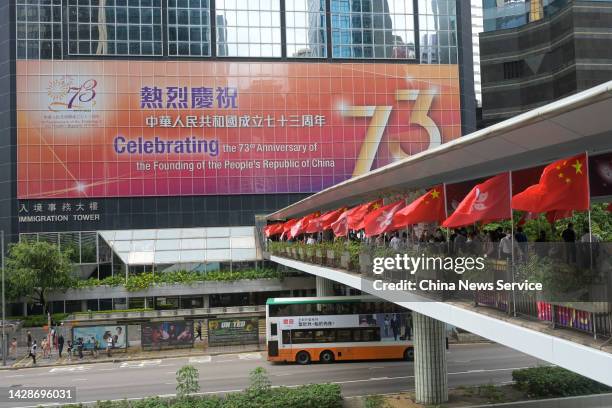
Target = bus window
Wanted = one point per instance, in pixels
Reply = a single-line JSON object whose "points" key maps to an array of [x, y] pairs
{"points": [[286, 337], [370, 334], [344, 335], [325, 336], [273, 329], [302, 336]]}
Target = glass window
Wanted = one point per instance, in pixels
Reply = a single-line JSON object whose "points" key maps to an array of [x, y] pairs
{"points": [[306, 28], [437, 32], [248, 28], [373, 29], [302, 336], [102, 27], [39, 27], [189, 28]]}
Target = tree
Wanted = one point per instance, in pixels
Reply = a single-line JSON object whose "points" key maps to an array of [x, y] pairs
{"points": [[35, 268]]}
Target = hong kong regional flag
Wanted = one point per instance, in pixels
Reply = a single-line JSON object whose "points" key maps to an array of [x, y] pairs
{"points": [[324, 221], [357, 215], [381, 219], [300, 227], [564, 185], [273, 229], [342, 225], [487, 201], [427, 208], [287, 228]]}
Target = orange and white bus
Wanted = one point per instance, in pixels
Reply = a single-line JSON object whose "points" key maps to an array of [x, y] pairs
{"points": [[337, 328]]}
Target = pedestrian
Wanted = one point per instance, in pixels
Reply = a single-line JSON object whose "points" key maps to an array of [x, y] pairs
{"points": [[33, 352], [29, 339], [60, 344], [13, 348], [69, 350], [43, 346], [199, 330], [95, 347], [79, 346], [109, 346]]}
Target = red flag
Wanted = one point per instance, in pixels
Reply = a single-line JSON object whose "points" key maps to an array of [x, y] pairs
{"points": [[302, 224], [357, 214], [553, 216], [287, 228], [563, 186], [487, 201], [324, 221], [427, 208], [381, 219], [273, 229], [609, 208]]}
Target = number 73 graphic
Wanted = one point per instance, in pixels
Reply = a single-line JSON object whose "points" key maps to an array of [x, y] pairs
{"points": [[380, 116]]}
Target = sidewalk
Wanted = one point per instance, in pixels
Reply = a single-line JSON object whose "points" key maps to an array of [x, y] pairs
{"points": [[134, 353]]}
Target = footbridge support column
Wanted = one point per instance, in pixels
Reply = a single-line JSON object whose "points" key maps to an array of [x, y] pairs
{"points": [[325, 287], [430, 369]]}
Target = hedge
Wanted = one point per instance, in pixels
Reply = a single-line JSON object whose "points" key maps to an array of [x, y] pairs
{"points": [[305, 396], [548, 382]]}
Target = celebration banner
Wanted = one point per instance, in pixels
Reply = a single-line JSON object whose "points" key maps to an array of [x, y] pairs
{"points": [[144, 128]]}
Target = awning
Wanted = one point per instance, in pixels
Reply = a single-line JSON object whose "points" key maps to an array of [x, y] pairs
{"points": [[183, 245], [578, 123]]}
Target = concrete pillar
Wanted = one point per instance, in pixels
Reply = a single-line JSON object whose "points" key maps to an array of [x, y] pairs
{"points": [[83, 305], [430, 370], [206, 301], [325, 287], [25, 308]]}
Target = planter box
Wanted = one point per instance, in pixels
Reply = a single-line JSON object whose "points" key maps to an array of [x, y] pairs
{"points": [[365, 264], [301, 253], [319, 257], [345, 261], [331, 258]]}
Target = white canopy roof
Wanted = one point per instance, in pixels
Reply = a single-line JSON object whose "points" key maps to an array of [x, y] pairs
{"points": [[183, 245]]}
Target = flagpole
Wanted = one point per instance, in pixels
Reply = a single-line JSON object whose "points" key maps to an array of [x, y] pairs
{"points": [[448, 246], [586, 171], [512, 246]]}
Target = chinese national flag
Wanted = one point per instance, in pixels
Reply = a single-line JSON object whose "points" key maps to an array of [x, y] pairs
{"points": [[487, 201], [563, 186], [287, 227], [357, 215], [324, 221], [302, 224], [609, 207], [427, 208], [273, 229], [381, 219], [552, 216]]}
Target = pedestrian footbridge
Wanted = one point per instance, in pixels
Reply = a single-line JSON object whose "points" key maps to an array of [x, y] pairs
{"points": [[572, 330]]}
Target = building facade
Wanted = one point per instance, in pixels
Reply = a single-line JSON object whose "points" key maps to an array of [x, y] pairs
{"points": [[535, 52], [126, 115]]}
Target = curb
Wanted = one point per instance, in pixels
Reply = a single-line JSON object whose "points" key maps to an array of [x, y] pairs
{"points": [[122, 359]]}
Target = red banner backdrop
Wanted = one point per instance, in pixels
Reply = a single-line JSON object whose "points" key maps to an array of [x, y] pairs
{"points": [[126, 128]]}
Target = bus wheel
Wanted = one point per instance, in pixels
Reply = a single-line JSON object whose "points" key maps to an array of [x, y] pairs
{"points": [[303, 358], [326, 357], [409, 354]]}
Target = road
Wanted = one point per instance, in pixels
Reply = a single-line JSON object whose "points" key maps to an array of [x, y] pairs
{"points": [[472, 364]]}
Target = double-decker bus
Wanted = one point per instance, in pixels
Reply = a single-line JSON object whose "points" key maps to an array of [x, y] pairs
{"points": [[336, 328]]}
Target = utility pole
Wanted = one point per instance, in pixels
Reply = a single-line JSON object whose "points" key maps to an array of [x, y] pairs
{"points": [[4, 348]]}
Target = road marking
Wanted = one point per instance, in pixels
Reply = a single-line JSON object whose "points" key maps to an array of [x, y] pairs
{"points": [[375, 368], [79, 379], [487, 371], [203, 359], [140, 364], [69, 369], [16, 375], [249, 356]]}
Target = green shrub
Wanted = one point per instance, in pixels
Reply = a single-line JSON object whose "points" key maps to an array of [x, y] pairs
{"points": [[39, 320], [375, 401], [187, 378], [305, 396], [546, 382]]}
